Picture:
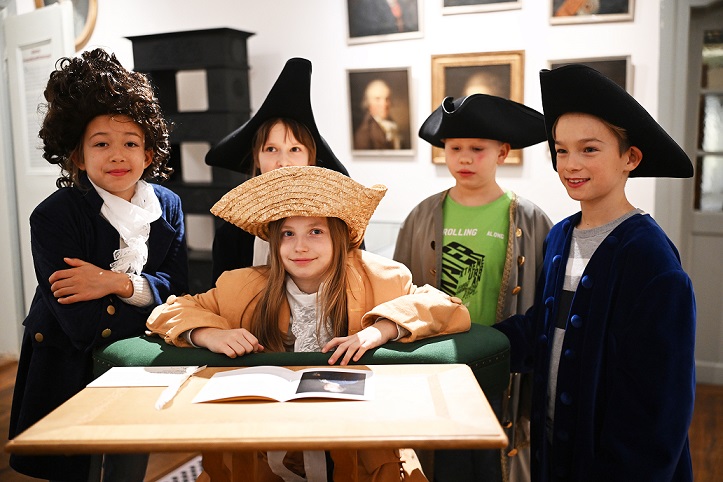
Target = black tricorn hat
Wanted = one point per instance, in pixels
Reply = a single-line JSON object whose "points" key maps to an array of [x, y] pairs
{"points": [[579, 88], [290, 97], [483, 116]]}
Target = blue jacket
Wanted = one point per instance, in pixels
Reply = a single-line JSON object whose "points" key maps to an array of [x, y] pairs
{"points": [[626, 379], [55, 358]]}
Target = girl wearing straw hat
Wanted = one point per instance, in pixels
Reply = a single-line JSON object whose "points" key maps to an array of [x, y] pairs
{"points": [[318, 293]]}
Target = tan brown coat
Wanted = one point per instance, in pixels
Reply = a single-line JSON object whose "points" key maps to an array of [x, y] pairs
{"points": [[376, 287]]}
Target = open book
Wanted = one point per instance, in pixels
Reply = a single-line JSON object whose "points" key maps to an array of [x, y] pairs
{"points": [[282, 384]]}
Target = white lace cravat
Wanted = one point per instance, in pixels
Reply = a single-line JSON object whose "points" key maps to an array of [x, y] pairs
{"points": [[133, 221]]}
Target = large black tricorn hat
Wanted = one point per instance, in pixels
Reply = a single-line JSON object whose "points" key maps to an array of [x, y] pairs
{"points": [[290, 97], [582, 89], [483, 116]]}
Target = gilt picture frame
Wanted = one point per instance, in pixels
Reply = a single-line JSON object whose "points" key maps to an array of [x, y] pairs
{"points": [[493, 73]]}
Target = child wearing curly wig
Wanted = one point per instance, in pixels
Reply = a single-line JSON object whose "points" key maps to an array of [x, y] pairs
{"points": [[107, 246]]}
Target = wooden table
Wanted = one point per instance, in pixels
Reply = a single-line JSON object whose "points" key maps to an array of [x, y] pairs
{"points": [[417, 406]]}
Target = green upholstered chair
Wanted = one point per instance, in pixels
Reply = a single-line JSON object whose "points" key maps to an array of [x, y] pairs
{"points": [[485, 350]]}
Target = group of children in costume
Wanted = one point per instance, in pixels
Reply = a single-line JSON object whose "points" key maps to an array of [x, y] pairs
{"points": [[599, 312]]}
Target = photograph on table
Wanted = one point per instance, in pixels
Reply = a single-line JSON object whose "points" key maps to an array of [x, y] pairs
{"points": [[379, 103], [493, 73]]}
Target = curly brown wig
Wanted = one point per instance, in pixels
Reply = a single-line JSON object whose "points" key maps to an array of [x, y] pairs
{"points": [[94, 84]]}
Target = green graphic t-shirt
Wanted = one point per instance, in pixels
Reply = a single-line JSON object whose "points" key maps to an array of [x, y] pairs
{"points": [[473, 255]]}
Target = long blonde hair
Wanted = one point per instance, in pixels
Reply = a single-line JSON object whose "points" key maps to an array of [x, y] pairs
{"points": [[332, 302]]}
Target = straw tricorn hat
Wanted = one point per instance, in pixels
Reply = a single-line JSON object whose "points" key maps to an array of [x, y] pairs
{"points": [[579, 88], [483, 116], [300, 191], [290, 97]]}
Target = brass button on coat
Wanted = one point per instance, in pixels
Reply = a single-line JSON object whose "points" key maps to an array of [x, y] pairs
{"points": [[39, 337], [432, 271], [110, 310], [516, 290], [518, 233], [520, 260], [106, 333]]}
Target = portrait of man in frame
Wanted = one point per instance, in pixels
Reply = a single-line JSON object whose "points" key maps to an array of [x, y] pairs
{"points": [[379, 105]]}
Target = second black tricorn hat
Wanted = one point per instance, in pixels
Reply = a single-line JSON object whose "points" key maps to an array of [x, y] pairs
{"points": [[483, 116], [290, 97]]}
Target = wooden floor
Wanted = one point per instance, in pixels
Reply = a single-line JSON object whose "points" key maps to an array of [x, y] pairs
{"points": [[706, 434]]}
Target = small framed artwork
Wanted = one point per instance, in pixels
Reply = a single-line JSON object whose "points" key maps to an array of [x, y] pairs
{"points": [[380, 112], [85, 13], [589, 11], [493, 73], [452, 7], [383, 20], [617, 69]]}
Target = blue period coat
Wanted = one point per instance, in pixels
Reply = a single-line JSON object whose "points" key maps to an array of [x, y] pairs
{"points": [[626, 378], [55, 359]]}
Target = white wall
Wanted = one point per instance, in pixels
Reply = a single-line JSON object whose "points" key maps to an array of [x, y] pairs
{"points": [[316, 29]]}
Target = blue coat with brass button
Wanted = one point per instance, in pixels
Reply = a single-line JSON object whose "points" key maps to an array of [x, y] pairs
{"points": [[626, 378], [55, 359]]}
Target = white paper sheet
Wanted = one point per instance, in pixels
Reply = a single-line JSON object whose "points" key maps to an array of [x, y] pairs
{"points": [[141, 376]]}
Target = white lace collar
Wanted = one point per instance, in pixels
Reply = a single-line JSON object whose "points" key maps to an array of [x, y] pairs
{"points": [[304, 319]]}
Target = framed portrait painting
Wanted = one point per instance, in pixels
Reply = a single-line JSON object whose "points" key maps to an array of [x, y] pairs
{"points": [[379, 104], [382, 20], [452, 7], [493, 73], [85, 13], [617, 69], [588, 11]]}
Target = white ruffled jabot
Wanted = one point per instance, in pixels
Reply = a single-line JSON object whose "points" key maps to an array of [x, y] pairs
{"points": [[133, 221]]}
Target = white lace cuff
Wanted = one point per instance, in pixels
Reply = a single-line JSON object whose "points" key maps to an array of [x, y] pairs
{"points": [[187, 336], [401, 331], [142, 295]]}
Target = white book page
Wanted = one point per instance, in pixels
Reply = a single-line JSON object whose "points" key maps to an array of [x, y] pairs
{"points": [[277, 383], [281, 384]]}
